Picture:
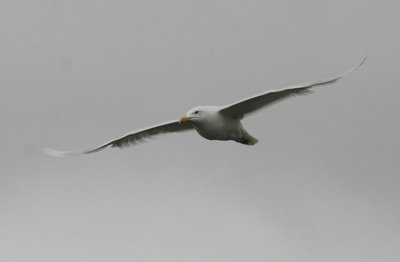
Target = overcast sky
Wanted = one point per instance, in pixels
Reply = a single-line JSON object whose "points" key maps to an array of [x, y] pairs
{"points": [[321, 185]]}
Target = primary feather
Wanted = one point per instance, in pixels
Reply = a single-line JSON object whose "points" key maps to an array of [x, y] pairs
{"points": [[130, 138], [252, 104]]}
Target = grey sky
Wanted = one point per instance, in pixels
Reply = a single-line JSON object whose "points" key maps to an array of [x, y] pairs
{"points": [[321, 185]]}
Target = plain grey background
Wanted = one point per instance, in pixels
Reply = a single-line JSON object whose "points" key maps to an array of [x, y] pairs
{"points": [[321, 185]]}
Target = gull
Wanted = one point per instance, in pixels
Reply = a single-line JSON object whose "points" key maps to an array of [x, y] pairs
{"points": [[212, 122]]}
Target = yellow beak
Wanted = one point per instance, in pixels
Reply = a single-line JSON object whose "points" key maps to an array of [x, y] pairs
{"points": [[184, 119]]}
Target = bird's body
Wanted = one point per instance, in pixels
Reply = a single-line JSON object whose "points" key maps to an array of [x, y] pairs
{"points": [[219, 127], [214, 126], [212, 122]]}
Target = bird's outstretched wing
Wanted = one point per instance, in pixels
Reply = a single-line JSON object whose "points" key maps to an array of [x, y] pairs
{"points": [[252, 104], [130, 138]]}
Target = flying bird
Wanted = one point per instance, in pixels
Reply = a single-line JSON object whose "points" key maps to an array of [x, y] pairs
{"points": [[212, 122]]}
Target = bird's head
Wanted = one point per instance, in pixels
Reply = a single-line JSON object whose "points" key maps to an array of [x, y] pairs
{"points": [[196, 114]]}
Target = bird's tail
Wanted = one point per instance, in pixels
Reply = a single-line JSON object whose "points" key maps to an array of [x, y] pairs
{"points": [[247, 139]]}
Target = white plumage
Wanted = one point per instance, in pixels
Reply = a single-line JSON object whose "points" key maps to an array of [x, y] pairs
{"points": [[212, 122]]}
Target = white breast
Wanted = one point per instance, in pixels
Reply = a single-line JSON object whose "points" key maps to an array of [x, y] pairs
{"points": [[219, 127]]}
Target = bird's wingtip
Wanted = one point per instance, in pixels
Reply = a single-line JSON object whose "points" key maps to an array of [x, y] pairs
{"points": [[58, 153], [357, 66], [362, 61], [354, 68]]}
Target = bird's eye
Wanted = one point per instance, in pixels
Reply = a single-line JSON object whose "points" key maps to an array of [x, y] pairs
{"points": [[196, 112]]}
